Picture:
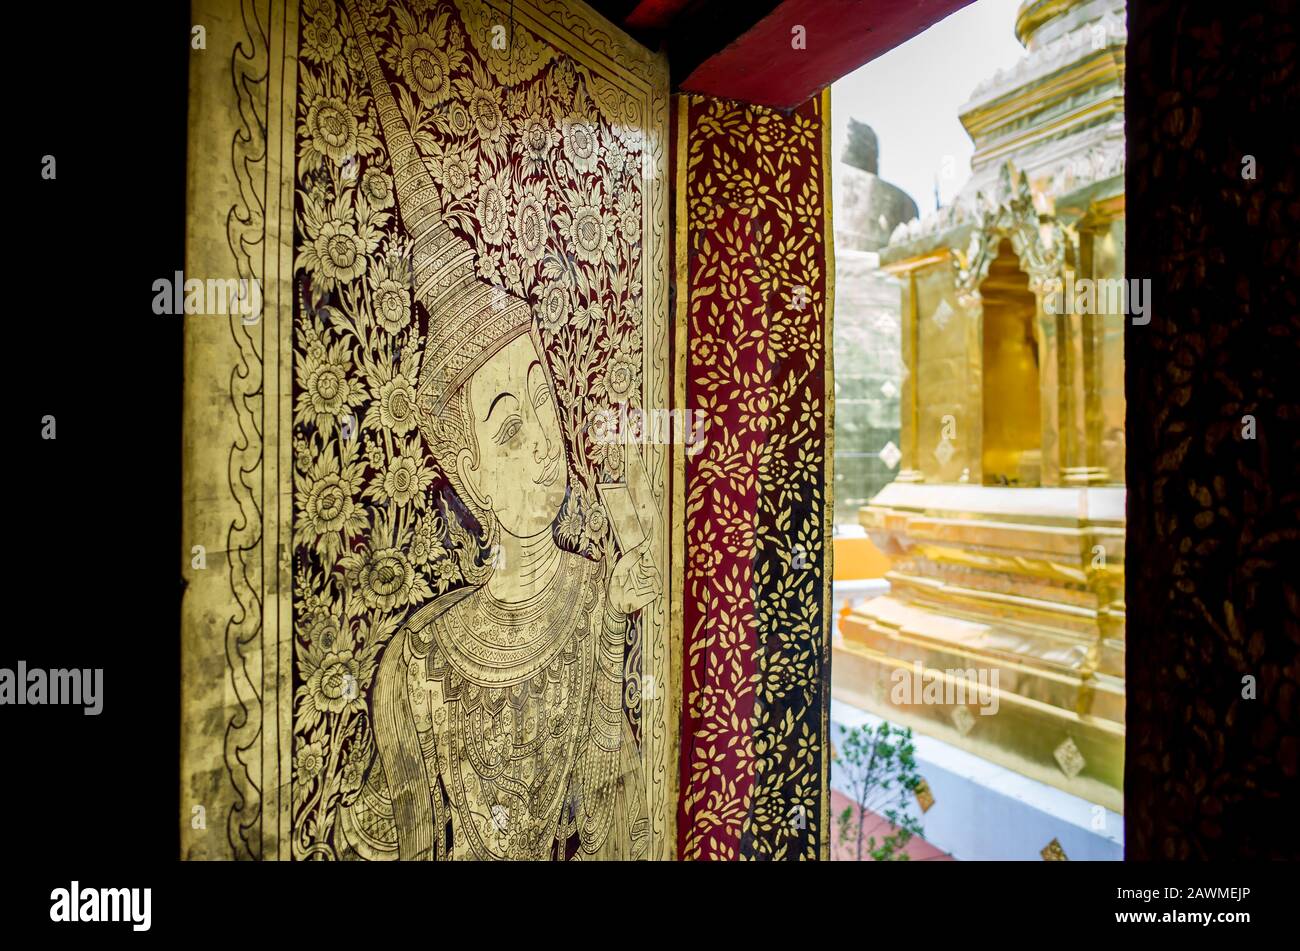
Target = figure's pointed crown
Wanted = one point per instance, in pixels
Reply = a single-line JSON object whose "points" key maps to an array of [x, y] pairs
{"points": [[469, 319]]}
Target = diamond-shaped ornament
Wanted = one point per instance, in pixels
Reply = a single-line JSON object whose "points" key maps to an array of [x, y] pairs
{"points": [[943, 452], [1069, 758], [889, 389], [1052, 852], [962, 719], [890, 454], [924, 798], [942, 314]]}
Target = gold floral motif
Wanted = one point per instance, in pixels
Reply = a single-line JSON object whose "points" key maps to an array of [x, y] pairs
{"points": [[537, 198], [757, 329]]}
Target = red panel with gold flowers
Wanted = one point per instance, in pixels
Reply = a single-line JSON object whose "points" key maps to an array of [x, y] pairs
{"points": [[756, 668]]}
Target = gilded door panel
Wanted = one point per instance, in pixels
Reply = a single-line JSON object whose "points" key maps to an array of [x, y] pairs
{"points": [[439, 625]]}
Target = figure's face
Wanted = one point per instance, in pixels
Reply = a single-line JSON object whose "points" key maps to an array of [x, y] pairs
{"points": [[522, 472]]}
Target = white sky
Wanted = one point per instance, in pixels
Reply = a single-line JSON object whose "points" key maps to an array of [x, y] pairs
{"points": [[911, 96]]}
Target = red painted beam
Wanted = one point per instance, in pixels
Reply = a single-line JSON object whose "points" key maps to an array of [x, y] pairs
{"points": [[763, 67], [654, 14]]}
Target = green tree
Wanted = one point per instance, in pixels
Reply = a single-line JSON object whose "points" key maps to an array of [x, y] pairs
{"points": [[881, 769]]}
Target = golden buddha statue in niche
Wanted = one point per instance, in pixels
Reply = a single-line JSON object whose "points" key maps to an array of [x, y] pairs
{"points": [[497, 709]]}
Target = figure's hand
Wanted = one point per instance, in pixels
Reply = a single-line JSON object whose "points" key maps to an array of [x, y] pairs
{"points": [[635, 581]]}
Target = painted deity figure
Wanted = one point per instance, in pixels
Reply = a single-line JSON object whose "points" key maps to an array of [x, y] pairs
{"points": [[497, 708]]}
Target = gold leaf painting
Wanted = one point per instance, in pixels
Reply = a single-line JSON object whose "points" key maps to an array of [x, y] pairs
{"points": [[441, 626]]}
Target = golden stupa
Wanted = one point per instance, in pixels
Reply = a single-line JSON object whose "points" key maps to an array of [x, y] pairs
{"points": [[1005, 522]]}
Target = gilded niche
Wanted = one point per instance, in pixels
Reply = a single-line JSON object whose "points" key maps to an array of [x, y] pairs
{"points": [[478, 572]]}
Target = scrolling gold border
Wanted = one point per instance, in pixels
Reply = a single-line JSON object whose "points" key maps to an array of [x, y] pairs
{"points": [[682, 282], [278, 433]]}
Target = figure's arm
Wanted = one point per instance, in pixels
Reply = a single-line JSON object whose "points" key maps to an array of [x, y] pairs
{"points": [[399, 752], [633, 583], [607, 724]]}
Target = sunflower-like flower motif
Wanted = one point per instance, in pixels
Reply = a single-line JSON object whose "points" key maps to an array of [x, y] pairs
{"points": [[493, 199], [328, 390], [597, 523], [340, 253], [308, 762], [425, 68], [608, 455], [333, 128], [458, 120], [352, 56], [377, 186], [421, 550], [530, 222], [581, 147], [335, 685], [514, 275], [428, 538], [536, 139], [454, 173], [616, 158], [392, 303], [353, 770], [404, 480], [484, 105], [555, 306], [301, 453], [386, 579], [618, 383], [321, 42], [397, 405], [628, 207], [445, 570], [326, 506], [487, 267], [324, 631], [589, 228]]}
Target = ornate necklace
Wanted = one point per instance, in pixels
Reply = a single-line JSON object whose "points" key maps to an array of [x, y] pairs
{"points": [[494, 643]]}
